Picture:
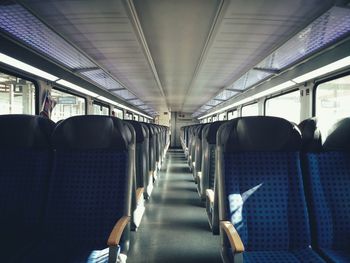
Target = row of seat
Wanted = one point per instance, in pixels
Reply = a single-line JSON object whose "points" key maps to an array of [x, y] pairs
{"points": [[71, 192], [275, 189]]}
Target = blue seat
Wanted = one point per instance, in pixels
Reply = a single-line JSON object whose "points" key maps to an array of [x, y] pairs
{"points": [[262, 208], [89, 201], [25, 166], [208, 178], [326, 163]]}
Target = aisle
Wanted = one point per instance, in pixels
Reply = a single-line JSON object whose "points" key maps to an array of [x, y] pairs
{"points": [[174, 227]]}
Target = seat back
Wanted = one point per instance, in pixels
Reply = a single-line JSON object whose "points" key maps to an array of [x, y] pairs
{"points": [[25, 166], [326, 166], [260, 184], [91, 184]]}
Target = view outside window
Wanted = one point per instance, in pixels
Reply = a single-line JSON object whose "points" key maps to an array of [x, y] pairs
{"points": [[17, 95], [215, 118], [332, 101], [250, 110], [210, 119], [141, 119], [136, 117], [232, 114], [68, 105], [285, 106], [100, 109], [222, 116], [128, 116], [118, 113]]}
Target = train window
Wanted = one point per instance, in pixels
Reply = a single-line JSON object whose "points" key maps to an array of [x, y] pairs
{"points": [[215, 118], [210, 119], [250, 110], [100, 109], [68, 105], [286, 106], [232, 114], [118, 113], [136, 117], [222, 116], [128, 116], [332, 100], [141, 118], [17, 95]]}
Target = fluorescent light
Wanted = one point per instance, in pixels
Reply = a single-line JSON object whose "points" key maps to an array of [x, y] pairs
{"points": [[25, 67], [76, 88], [323, 70]]}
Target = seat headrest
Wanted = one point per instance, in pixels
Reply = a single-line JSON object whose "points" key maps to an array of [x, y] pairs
{"points": [[310, 135], [25, 132], [91, 132], [338, 138], [261, 133], [139, 130], [214, 126]]}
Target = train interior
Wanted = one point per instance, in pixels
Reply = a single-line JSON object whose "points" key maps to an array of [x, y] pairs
{"points": [[174, 131]]}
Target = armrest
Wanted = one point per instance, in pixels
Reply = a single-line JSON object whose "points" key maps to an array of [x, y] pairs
{"points": [[199, 175], [210, 195], [139, 193], [117, 231], [233, 236]]}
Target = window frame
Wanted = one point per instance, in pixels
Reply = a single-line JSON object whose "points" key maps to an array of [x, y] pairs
{"points": [[319, 82], [25, 77]]}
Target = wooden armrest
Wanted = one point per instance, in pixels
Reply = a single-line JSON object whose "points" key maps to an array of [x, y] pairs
{"points": [[117, 231], [210, 195], [139, 193], [233, 236]]}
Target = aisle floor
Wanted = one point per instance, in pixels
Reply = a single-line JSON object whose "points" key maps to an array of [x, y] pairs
{"points": [[174, 227]]}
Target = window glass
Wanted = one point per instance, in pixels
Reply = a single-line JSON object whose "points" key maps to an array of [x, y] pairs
{"points": [[128, 116], [136, 117], [250, 110], [118, 113], [222, 116], [210, 119], [17, 95], [141, 118], [68, 105], [232, 114], [215, 118], [100, 109], [332, 101], [286, 106]]}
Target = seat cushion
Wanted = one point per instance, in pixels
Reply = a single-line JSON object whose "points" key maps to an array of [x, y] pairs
{"points": [[338, 256], [306, 255]]}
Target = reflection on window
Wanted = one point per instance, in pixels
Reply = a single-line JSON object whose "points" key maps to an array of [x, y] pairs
{"points": [[136, 117], [232, 114], [68, 105], [285, 106], [332, 101], [17, 96], [100, 109], [222, 116], [250, 110], [118, 113]]}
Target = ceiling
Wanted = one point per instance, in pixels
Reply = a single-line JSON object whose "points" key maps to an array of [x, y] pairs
{"points": [[177, 55]]}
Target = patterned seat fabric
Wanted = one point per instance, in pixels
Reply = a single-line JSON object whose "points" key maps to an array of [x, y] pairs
{"points": [[327, 177], [262, 190], [89, 191], [25, 166]]}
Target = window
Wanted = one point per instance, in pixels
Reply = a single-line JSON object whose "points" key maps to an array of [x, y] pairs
{"points": [[222, 116], [232, 114], [250, 110], [118, 113], [17, 95], [210, 119], [215, 117], [136, 117], [100, 109], [128, 116], [68, 105], [332, 101], [285, 106], [141, 119]]}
